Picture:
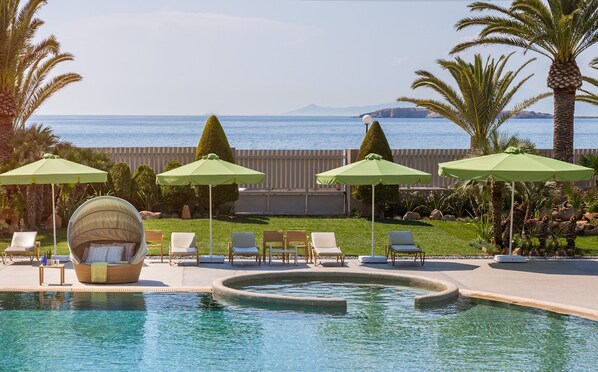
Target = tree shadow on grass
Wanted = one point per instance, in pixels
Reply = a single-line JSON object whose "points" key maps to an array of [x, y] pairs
{"points": [[405, 223]]}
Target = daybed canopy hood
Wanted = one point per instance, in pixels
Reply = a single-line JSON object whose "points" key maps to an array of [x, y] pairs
{"points": [[106, 218]]}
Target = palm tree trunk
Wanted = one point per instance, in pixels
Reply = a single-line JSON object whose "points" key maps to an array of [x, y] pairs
{"points": [[496, 193], [564, 111], [7, 116]]}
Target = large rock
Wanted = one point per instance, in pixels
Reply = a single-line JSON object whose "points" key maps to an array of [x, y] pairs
{"points": [[591, 232], [412, 216], [449, 217], [566, 213], [50, 222], [436, 215], [147, 215]]}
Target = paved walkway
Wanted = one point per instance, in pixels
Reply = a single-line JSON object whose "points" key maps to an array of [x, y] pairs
{"points": [[568, 282]]}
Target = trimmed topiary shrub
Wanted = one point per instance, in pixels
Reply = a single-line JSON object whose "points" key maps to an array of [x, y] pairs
{"points": [[145, 194], [375, 142], [175, 197], [120, 180], [213, 140]]}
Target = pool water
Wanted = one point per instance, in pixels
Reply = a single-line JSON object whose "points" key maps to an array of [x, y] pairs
{"points": [[380, 331]]}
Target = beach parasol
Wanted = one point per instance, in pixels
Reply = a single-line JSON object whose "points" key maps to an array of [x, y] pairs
{"points": [[513, 165], [373, 170], [210, 170], [52, 170]]}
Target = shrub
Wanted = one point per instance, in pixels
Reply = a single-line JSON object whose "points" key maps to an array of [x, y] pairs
{"points": [[375, 142], [144, 191], [175, 197], [120, 180], [213, 140]]}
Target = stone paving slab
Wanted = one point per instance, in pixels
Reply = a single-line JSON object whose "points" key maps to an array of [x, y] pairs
{"points": [[570, 282]]}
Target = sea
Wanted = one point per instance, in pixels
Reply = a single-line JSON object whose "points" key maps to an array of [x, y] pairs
{"points": [[291, 132]]}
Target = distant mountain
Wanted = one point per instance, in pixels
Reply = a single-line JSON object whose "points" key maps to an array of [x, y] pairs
{"points": [[416, 112], [316, 110]]}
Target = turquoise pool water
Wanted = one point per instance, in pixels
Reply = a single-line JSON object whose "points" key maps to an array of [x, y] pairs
{"points": [[189, 331]]}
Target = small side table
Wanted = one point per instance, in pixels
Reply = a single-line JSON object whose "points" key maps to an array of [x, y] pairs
{"points": [[42, 268]]}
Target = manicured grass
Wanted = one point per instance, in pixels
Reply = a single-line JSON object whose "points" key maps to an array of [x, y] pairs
{"points": [[437, 238]]}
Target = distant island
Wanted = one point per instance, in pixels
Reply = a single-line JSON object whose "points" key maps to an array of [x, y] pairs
{"points": [[422, 113]]}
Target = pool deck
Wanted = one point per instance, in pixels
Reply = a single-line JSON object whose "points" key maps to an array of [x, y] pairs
{"points": [[562, 285]]}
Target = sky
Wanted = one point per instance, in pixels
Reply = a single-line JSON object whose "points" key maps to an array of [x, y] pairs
{"points": [[258, 57]]}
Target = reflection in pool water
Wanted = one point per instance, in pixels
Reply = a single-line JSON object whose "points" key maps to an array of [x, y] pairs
{"points": [[380, 331]]}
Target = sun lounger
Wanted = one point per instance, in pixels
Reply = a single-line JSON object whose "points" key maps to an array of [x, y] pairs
{"points": [[182, 244], [243, 244], [401, 242], [323, 244], [22, 244]]}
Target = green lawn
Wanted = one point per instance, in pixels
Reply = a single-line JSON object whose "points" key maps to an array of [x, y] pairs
{"points": [[437, 238]]}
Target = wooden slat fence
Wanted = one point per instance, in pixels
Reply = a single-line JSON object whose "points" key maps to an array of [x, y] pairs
{"points": [[296, 169]]}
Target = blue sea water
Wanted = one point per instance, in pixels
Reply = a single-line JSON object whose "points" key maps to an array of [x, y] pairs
{"points": [[290, 132]]}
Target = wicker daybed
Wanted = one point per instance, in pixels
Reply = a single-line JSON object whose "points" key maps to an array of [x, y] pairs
{"points": [[108, 221]]}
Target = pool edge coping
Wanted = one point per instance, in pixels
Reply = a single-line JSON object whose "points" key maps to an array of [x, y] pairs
{"points": [[443, 290], [582, 312]]}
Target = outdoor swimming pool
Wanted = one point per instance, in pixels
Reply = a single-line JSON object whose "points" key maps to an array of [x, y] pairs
{"points": [[380, 331]]}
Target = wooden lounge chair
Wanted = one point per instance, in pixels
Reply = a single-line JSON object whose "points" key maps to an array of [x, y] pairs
{"points": [[22, 244], [183, 244], [401, 242], [323, 244], [275, 243], [299, 240], [155, 239], [243, 244]]}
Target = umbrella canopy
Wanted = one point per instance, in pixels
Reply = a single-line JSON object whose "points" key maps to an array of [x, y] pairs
{"points": [[511, 166], [514, 165], [210, 170], [52, 170], [373, 170]]}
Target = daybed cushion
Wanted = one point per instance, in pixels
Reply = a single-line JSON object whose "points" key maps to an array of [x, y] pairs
{"points": [[128, 248], [104, 253]]}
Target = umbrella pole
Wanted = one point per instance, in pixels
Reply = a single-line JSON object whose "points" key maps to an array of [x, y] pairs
{"points": [[210, 194], [373, 198], [54, 219], [511, 227]]}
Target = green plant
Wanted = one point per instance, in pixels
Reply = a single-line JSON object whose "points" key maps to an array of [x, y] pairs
{"points": [[590, 161], [175, 197], [145, 192], [121, 181], [213, 140], [558, 29], [375, 142], [483, 228]]}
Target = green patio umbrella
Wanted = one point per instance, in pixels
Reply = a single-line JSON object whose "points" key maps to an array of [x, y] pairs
{"points": [[210, 170], [513, 165], [52, 170], [373, 170]]}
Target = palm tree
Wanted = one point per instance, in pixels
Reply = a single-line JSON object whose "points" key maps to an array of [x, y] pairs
{"points": [[589, 97], [591, 161], [478, 105], [24, 67], [558, 29]]}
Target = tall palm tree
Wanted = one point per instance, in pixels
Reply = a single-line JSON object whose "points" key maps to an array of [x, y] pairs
{"points": [[558, 29], [589, 97], [478, 105], [24, 67]]}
